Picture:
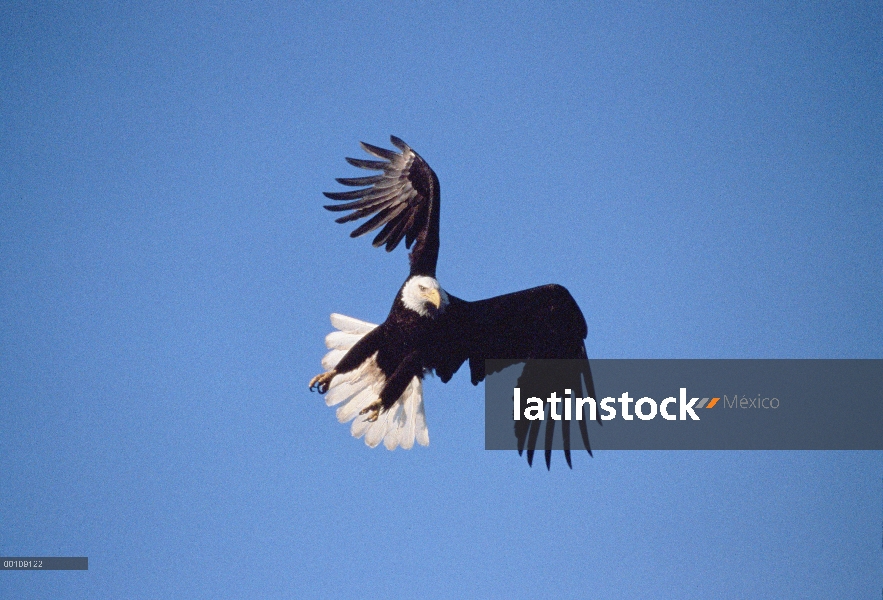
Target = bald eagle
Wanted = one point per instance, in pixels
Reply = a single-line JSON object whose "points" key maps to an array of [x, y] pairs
{"points": [[375, 372]]}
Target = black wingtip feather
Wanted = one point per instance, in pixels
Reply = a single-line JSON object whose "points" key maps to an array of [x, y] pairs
{"points": [[584, 433], [369, 202], [533, 434], [359, 181], [374, 165], [351, 195], [382, 217], [356, 215], [399, 143], [397, 233], [378, 151], [550, 437], [387, 234]]}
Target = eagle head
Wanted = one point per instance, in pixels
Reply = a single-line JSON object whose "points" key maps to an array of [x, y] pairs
{"points": [[424, 296]]}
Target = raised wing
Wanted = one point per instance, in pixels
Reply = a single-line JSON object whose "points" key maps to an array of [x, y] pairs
{"points": [[538, 323], [403, 199]]}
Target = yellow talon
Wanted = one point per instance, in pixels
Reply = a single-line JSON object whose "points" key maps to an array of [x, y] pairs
{"points": [[323, 381], [372, 410]]}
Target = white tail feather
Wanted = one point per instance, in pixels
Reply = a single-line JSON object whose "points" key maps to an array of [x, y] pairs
{"points": [[347, 412], [341, 340], [404, 422], [330, 360], [350, 324]]}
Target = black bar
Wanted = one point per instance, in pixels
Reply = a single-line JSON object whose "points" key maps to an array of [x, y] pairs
{"points": [[44, 563]]}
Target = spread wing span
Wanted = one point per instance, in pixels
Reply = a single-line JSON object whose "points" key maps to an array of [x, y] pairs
{"points": [[538, 323]]}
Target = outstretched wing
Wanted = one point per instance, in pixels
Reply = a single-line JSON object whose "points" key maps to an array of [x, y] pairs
{"points": [[539, 323], [403, 199]]}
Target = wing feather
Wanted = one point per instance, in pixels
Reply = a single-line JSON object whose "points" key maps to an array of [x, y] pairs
{"points": [[351, 195], [398, 143], [359, 181], [391, 234], [373, 165], [369, 209], [368, 201], [381, 218], [539, 323], [363, 203], [379, 152], [404, 197]]}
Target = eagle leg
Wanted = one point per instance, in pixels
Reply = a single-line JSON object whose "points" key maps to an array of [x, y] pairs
{"points": [[373, 410], [321, 382]]}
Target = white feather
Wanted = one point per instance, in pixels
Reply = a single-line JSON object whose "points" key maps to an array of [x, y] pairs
{"points": [[350, 324], [404, 422], [341, 340], [330, 360], [420, 424], [413, 399], [360, 426], [346, 412], [345, 390], [377, 430], [394, 434]]}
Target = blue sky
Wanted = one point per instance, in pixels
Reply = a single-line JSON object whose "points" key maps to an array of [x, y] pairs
{"points": [[704, 179]]}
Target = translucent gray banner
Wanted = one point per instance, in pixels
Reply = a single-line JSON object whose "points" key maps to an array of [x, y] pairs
{"points": [[686, 404], [44, 563]]}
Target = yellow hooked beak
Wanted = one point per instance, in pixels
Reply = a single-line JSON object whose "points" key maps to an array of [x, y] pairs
{"points": [[433, 297]]}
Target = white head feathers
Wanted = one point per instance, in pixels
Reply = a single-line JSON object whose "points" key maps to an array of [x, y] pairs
{"points": [[424, 296]]}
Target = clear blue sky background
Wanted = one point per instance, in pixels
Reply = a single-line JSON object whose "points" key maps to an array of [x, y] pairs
{"points": [[705, 179]]}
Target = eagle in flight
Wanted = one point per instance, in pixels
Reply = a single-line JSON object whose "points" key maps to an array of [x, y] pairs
{"points": [[375, 372]]}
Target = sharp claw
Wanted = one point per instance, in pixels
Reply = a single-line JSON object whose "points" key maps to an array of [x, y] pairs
{"points": [[372, 410], [321, 383]]}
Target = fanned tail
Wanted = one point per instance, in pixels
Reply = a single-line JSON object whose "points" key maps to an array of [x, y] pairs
{"points": [[404, 422]]}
